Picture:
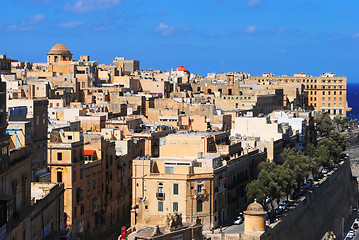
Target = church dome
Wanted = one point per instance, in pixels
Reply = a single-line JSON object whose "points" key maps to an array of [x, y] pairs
{"points": [[181, 68], [59, 49]]}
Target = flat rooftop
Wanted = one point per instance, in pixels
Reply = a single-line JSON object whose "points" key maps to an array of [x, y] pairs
{"points": [[196, 133]]}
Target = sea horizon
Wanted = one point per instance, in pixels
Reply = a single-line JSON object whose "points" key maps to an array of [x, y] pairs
{"points": [[352, 99]]}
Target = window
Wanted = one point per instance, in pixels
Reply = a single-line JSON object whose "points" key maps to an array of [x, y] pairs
{"points": [[168, 169], [160, 189], [335, 99], [236, 105], [59, 176], [323, 99], [75, 212], [323, 104], [340, 99], [175, 206], [160, 206], [199, 205], [59, 156], [79, 195], [175, 188], [82, 209], [83, 85], [199, 187], [328, 99]]}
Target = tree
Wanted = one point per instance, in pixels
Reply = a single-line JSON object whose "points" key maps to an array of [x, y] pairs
{"points": [[298, 162], [324, 124], [341, 123], [286, 181], [339, 140], [255, 190]]}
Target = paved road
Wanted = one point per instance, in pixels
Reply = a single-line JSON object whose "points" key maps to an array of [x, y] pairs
{"points": [[353, 151], [228, 229]]}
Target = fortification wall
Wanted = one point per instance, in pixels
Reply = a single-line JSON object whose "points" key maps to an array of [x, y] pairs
{"points": [[326, 208]]}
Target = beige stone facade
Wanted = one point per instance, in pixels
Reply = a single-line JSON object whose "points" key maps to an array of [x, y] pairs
{"points": [[327, 92]]}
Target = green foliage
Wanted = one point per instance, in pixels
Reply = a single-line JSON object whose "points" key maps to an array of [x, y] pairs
{"points": [[276, 180], [353, 122], [324, 124], [341, 123]]}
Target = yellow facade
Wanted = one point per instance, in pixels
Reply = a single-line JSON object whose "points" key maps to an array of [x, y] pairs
{"points": [[327, 92]]}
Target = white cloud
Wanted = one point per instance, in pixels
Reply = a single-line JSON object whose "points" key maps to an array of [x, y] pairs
{"points": [[85, 6], [164, 29], [356, 35], [70, 25], [27, 24], [251, 29], [280, 30], [253, 3]]}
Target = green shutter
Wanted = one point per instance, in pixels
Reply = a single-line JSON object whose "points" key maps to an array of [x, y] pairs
{"points": [[160, 206], [175, 206], [175, 188]]}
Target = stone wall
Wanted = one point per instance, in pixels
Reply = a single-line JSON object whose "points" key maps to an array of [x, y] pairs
{"points": [[327, 208]]}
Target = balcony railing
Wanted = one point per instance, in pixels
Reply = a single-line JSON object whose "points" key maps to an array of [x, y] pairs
{"points": [[201, 193], [160, 196]]}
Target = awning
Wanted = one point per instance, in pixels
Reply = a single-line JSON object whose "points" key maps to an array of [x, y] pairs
{"points": [[89, 152]]}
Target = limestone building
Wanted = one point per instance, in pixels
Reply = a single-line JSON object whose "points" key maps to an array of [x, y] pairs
{"points": [[327, 92], [197, 174]]}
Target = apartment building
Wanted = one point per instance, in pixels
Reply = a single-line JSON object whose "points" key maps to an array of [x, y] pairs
{"points": [[203, 169], [327, 92]]}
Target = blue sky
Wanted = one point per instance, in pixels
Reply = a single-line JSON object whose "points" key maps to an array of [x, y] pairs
{"points": [[284, 37]]}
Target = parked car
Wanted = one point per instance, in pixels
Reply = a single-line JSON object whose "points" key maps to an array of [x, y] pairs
{"points": [[238, 220], [297, 194], [352, 232], [278, 211], [289, 203], [325, 171], [355, 226], [283, 206], [307, 185], [320, 175]]}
